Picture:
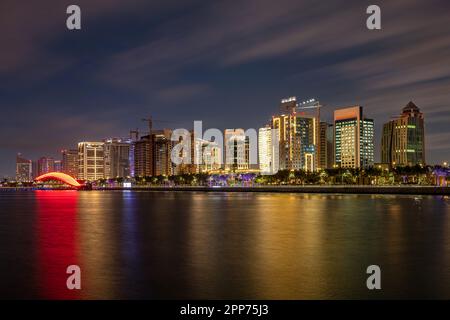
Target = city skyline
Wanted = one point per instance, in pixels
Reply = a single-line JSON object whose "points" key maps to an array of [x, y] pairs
{"points": [[200, 61], [294, 139], [285, 105], [224, 154]]}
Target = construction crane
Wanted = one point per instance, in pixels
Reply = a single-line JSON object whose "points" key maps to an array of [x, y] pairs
{"points": [[134, 134], [150, 121]]}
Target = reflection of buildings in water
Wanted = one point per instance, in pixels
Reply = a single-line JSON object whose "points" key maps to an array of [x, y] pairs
{"points": [[129, 225], [290, 253], [204, 227], [98, 248]]}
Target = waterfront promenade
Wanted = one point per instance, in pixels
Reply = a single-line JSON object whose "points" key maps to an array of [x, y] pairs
{"points": [[346, 189]]}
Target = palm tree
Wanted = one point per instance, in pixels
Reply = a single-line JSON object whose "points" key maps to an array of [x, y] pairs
{"points": [[282, 176], [300, 176]]}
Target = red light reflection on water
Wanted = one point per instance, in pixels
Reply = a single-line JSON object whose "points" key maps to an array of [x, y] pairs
{"points": [[57, 239]]}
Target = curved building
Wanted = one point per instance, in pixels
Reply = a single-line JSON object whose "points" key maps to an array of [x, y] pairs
{"points": [[59, 176]]}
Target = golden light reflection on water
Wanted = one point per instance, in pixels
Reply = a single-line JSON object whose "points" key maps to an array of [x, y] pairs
{"points": [[287, 250], [98, 245], [249, 245], [291, 246]]}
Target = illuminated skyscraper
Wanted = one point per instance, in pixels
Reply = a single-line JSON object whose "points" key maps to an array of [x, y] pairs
{"points": [[23, 169], [268, 150], [186, 155], [237, 153], [152, 154], [282, 124], [70, 162], [212, 157], [297, 127], [117, 157], [205, 156], [326, 146], [162, 149], [354, 147], [143, 156], [91, 161], [208, 155], [403, 140]]}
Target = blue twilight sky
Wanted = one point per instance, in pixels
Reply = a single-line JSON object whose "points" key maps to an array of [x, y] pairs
{"points": [[227, 63]]}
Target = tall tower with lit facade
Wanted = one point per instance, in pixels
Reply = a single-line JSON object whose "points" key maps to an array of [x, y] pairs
{"points": [[23, 169], [354, 134], [208, 155], [143, 156], [237, 154], [91, 161], [162, 149], [297, 127], [70, 162], [268, 150], [117, 157], [152, 154], [403, 139]]}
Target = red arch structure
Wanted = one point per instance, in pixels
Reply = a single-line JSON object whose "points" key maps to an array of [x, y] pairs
{"points": [[65, 178]]}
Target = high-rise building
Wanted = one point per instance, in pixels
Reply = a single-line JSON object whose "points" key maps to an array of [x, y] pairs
{"points": [[57, 166], [162, 150], [209, 155], [134, 136], [204, 156], [353, 133], [188, 157], [326, 145], [282, 124], [117, 158], [70, 162], [45, 165], [306, 141], [23, 169], [143, 156], [212, 157], [403, 139], [91, 161], [34, 170], [268, 150], [297, 127], [237, 152], [152, 154]]}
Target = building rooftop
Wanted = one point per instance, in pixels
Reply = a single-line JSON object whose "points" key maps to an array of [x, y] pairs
{"points": [[411, 107]]}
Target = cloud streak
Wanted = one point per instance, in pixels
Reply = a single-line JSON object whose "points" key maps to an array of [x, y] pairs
{"points": [[228, 61]]}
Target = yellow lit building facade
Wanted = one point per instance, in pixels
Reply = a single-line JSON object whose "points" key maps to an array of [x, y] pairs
{"points": [[353, 138]]}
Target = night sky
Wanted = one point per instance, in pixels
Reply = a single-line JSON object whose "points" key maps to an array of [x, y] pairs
{"points": [[227, 63]]}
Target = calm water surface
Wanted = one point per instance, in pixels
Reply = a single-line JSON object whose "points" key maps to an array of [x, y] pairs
{"points": [[188, 245]]}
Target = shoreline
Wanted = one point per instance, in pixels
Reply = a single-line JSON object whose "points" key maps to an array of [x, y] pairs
{"points": [[402, 190]]}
